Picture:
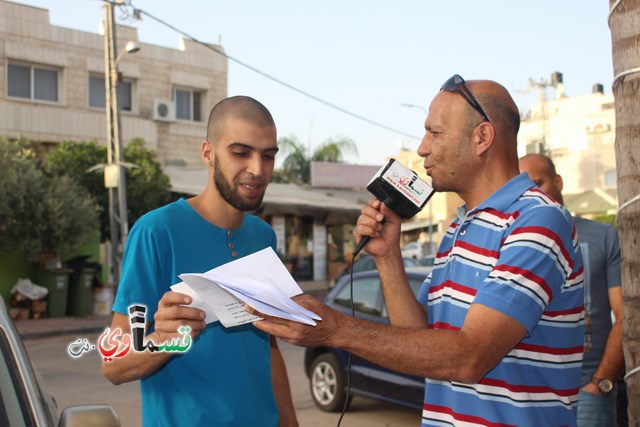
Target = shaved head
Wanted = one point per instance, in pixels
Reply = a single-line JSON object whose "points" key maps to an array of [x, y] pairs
{"points": [[470, 145], [543, 162], [543, 173], [498, 104], [239, 108]]}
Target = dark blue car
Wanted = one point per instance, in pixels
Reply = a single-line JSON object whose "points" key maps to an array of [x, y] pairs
{"points": [[326, 367]]}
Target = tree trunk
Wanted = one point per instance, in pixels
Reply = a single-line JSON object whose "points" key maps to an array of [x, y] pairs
{"points": [[624, 23]]}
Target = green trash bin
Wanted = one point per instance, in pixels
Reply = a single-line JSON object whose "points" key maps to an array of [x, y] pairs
{"points": [[57, 283], [80, 302]]}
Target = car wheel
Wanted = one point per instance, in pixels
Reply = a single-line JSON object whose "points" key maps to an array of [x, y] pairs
{"points": [[327, 385]]}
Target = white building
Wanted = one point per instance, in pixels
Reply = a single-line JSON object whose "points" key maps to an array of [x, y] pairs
{"points": [[577, 132], [53, 89]]}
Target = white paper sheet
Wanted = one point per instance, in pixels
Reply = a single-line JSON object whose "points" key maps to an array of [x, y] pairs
{"points": [[259, 280]]}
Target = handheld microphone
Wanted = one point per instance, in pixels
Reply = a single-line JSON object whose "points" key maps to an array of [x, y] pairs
{"points": [[400, 189]]}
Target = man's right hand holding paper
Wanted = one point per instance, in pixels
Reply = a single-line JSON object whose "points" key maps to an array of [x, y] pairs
{"points": [[173, 313]]}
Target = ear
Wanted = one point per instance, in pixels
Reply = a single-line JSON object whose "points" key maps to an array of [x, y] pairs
{"points": [[483, 137], [207, 153], [557, 181]]}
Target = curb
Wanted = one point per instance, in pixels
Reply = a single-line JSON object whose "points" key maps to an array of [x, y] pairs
{"points": [[42, 328]]}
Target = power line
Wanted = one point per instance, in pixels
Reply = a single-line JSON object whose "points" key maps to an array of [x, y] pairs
{"points": [[137, 12]]}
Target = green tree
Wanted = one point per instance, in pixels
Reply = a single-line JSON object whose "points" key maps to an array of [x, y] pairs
{"points": [[74, 159], [147, 186], [71, 216], [40, 213], [296, 167], [20, 177], [606, 219], [333, 150]]}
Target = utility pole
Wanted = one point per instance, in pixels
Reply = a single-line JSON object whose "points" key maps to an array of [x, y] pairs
{"points": [[114, 175], [541, 86]]}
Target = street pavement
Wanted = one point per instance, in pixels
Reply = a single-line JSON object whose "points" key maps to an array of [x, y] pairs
{"points": [[80, 382]]}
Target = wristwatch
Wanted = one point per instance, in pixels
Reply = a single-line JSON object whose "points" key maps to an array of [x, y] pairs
{"points": [[604, 384]]}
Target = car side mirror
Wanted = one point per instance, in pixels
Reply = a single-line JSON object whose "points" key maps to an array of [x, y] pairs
{"points": [[89, 415]]}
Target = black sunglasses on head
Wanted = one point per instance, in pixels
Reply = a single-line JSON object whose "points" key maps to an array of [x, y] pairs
{"points": [[456, 85]]}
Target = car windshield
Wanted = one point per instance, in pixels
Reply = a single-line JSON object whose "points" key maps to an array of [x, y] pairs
{"points": [[366, 296]]}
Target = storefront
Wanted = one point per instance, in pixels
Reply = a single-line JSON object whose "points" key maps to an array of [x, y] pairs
{"points": [[314, 229]]}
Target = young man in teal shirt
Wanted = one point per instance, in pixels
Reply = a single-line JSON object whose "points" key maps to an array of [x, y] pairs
{"points": [[228, 377]]}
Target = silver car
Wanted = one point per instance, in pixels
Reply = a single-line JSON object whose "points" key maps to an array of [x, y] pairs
{"points": [[24, 400]]}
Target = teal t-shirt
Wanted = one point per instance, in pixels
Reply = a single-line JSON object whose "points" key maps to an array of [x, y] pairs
{"points": [[224, 379]]}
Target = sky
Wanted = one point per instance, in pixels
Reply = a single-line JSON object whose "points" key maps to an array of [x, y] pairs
{"points": [[371, 56]]}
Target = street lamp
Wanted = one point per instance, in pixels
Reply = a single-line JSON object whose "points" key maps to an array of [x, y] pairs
{"points": [[113, 174], [419, 107], [130, 47]]}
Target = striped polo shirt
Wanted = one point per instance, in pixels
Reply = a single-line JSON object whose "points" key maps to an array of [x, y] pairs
{"points": [[516, 253]]}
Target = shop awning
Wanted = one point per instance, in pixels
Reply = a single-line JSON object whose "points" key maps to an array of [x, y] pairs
{"points": [[283, 199]]}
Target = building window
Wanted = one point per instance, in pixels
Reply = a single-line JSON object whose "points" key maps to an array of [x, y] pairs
{"points": [[188, 104], [32, 82], [97, 94]]}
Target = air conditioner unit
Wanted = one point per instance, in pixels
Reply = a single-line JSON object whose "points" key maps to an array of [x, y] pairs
{"points": [[164, 111]]}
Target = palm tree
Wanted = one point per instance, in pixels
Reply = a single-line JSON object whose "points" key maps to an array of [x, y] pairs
{"points": [[625, 37], [332, 150], [296, 167]]}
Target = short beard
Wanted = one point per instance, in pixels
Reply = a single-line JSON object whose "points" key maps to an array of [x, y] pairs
{"points": [[229, 194]]}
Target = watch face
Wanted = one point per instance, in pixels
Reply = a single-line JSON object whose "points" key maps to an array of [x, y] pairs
{"points": [[605, 385]]}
